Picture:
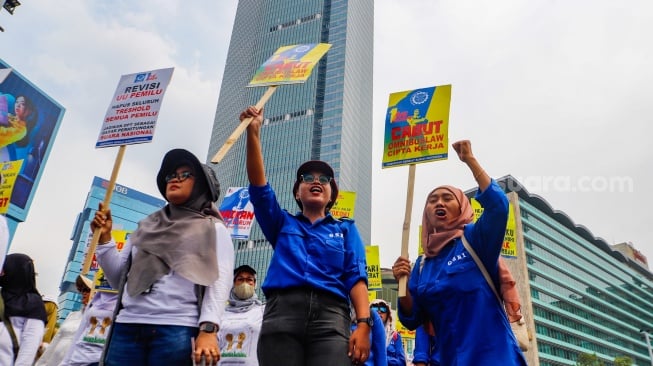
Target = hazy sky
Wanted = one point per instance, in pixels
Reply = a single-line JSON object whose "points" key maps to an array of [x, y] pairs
{"points": [[555, 93]]}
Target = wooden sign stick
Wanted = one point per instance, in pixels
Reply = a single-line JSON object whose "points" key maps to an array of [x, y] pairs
{"points": [[405, 234], [242, 127], [107, 199]]}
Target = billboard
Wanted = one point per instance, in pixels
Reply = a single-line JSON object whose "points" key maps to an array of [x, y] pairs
{"points": [[29, 120]]}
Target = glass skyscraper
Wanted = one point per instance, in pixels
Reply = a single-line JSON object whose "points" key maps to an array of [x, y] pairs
{"points": [[579, 293], [128, 207], [327, 118]]}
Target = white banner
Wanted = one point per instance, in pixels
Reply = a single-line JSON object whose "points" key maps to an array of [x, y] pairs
{"points": [[134, 109]]}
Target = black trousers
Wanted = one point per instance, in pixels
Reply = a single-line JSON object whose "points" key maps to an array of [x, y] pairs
{"points": [[304, 327]]}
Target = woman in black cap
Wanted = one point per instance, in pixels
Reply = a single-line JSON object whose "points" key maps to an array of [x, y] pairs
{"points": [[24, 312], [318, 266], [178, 282]]}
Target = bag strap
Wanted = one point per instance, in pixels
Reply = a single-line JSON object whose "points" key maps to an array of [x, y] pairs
{"points": [[10, 328], [421, 262], [481, 267]]}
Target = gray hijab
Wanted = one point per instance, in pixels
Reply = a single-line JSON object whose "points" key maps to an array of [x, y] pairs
{"points": [[179, 238]]}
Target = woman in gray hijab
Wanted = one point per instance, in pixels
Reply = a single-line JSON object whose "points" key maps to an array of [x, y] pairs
{"points": [[178, 265]]}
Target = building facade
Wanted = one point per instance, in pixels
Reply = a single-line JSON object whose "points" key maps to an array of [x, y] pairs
{"points": [[329, 117], [579, 294], [128, 206]]}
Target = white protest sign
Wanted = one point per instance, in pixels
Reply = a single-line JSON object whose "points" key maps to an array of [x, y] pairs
{"points": [[134, 109]]}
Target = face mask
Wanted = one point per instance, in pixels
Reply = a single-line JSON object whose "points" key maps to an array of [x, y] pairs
{"points": [[244, 291]]}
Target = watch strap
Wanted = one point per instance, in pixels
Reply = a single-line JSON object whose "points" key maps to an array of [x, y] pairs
{"points": [[209, 327], [367, 321]]}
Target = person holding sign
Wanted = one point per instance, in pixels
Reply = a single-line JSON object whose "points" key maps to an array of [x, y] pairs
{"points": [[447, 288], [318, 265], [178, 264]]}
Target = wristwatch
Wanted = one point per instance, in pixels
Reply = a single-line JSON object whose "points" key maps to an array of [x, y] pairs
{"points": [[368, 321], [209, 327]]}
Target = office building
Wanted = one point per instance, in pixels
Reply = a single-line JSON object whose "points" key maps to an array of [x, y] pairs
{"points": [[128, 206], [329, 117]]}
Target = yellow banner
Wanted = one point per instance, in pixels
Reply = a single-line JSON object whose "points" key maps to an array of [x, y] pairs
{"points": [[344, 206], [509, 248], [8, 175], [289, 64], [417, 126], [373, 267]]}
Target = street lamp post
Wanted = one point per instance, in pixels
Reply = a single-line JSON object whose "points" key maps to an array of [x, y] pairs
{"points": [[648, 344], [9, 6]]}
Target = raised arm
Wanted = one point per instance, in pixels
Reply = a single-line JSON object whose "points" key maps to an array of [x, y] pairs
{"points": [[464, 150], [255, 166]]}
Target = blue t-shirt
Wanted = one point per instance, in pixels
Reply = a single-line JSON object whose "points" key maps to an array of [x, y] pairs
{"points": [[452, 293], [326, 255]]}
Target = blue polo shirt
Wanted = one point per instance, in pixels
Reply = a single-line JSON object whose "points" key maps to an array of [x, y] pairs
{"points": [[326, 255], [471, 326]]}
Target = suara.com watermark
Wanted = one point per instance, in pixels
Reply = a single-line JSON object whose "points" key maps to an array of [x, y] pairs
{"points": [[566, 183]]}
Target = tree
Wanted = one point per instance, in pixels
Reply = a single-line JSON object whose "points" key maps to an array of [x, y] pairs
{"points": [[586, 359], [623, 361]]}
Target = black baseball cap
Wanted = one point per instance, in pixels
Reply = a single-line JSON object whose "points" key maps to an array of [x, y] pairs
{"points": [[244, 268], [316, 166]]}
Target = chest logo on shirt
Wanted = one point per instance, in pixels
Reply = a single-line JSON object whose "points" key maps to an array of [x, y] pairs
{"points": [[336, 235], [456, 258]]}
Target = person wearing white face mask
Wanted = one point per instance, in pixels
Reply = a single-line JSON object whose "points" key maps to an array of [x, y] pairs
{"points": [[241, 322]]}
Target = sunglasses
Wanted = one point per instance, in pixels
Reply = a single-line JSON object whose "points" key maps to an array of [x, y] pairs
{"points": [[310, 178], [178, 176], [381, 309]]}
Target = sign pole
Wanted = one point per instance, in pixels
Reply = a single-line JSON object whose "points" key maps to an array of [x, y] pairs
{"points": [[107, 200], [242, 127], [405, 234]]}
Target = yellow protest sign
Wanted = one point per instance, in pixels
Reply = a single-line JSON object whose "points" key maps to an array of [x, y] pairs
{"points": [[289, 64], [401, 329], [371, 295], [416, 126], [509, 248], [373, 267], [101, 283], [8, 174], [420, 249], [344, 206]]}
